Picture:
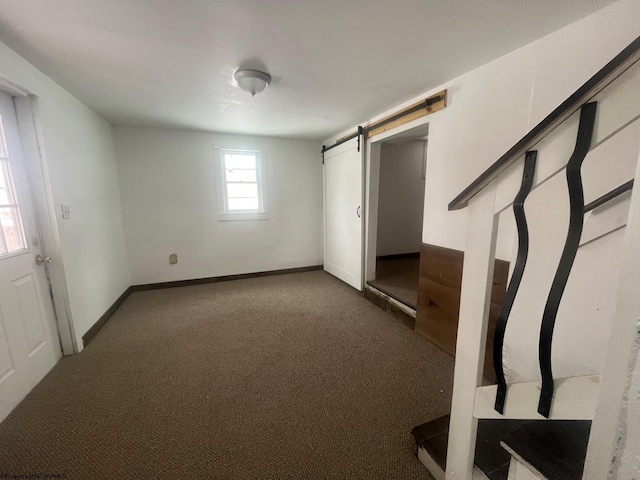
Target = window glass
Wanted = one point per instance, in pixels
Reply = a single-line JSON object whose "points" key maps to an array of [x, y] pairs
{"points": [[239, 160], [238, 175], [243, 204], [11, 230], [241, 183], [4, 184], [241, 176], [242, 190]]}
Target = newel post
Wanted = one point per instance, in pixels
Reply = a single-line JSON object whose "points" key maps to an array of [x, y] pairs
{"points": [[477, 281]]}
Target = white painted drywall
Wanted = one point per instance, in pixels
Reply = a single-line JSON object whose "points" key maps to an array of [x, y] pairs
{"points": [[81, 159], [550, 69], [401, 198], [167, 182], [488, 110]]}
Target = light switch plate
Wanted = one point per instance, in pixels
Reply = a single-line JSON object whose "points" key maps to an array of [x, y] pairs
{"points": [[66, 211], [173, 258]]}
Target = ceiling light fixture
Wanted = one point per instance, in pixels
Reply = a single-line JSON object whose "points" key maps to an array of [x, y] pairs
{"points": [[252, 81]]}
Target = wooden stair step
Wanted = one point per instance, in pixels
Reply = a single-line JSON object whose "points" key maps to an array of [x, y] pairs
{"points": [[490, 458], [553, 449], [433, 437]]}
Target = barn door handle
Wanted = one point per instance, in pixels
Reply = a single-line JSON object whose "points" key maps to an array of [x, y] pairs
{"points": [[358, 211]]}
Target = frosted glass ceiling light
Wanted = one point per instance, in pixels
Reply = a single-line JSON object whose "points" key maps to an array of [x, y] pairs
{"points": [[252, 81]]}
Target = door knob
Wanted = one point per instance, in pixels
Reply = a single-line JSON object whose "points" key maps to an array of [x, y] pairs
{"points": [[40, 259]]}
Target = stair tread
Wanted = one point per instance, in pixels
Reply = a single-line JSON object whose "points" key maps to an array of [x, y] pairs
{"points": [[431, 428], [433, 437], [490, 457], [556, 449], [437, 448]]}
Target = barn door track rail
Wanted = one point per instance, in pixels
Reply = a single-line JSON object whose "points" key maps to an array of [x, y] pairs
{"points": [[424, 107]]}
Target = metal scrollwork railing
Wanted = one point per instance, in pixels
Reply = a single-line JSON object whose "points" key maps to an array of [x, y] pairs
{"points": [[521, 261], [576, 221]]}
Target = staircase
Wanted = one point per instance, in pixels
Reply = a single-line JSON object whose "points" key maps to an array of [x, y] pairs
{"points": [[511, 449], [542, 427]]}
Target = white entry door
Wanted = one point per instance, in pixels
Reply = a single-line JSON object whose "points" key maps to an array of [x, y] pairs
{"points": [[29, 345], [343, 215]]}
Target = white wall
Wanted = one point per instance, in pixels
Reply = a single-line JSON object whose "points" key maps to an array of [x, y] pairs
{"points": [[493, 106], [167, 181], [545, 73], [80, 154], [488, 110], [401, 198], [535, 79]]}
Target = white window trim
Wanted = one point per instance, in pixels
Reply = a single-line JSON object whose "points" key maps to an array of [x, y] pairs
{"points": [[263, 186]]}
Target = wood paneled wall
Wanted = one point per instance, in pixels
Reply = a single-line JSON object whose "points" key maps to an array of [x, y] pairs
{"points": [[439, 299]]}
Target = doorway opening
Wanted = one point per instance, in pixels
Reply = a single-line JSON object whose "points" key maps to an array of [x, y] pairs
{"points": [[401, 173]]}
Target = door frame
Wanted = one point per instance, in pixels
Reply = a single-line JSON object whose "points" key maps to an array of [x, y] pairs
{"points": [[373, 147], [31, 134]]}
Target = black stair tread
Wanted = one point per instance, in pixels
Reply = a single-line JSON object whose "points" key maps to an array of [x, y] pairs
{"points": [[490, 457], [433, 437], [555, 448], [500, 473], [429, 429], [437, 448]]}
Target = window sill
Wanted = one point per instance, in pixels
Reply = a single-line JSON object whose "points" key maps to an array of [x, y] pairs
{"points": [[229, 217]]}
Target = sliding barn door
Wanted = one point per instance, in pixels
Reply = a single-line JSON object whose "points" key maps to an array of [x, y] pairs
{"points": [[343, 217]]}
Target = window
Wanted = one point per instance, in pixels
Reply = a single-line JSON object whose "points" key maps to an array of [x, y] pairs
{"points": [[11, 231], [242, 185]]}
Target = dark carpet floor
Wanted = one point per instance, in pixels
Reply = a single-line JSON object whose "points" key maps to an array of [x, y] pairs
{"points": [[285, 377]]}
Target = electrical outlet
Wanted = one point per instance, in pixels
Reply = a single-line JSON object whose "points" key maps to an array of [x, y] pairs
{"points": [[173, 258]]}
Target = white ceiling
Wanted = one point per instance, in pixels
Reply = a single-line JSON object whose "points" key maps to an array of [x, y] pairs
{"points": [[334, 63]]}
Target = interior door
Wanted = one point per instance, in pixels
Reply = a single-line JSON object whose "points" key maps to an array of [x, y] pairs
{"points": [[343, 217], [29, 344]]}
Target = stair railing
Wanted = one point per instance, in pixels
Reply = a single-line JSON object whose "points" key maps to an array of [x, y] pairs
{"points": [[480, 198]]}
